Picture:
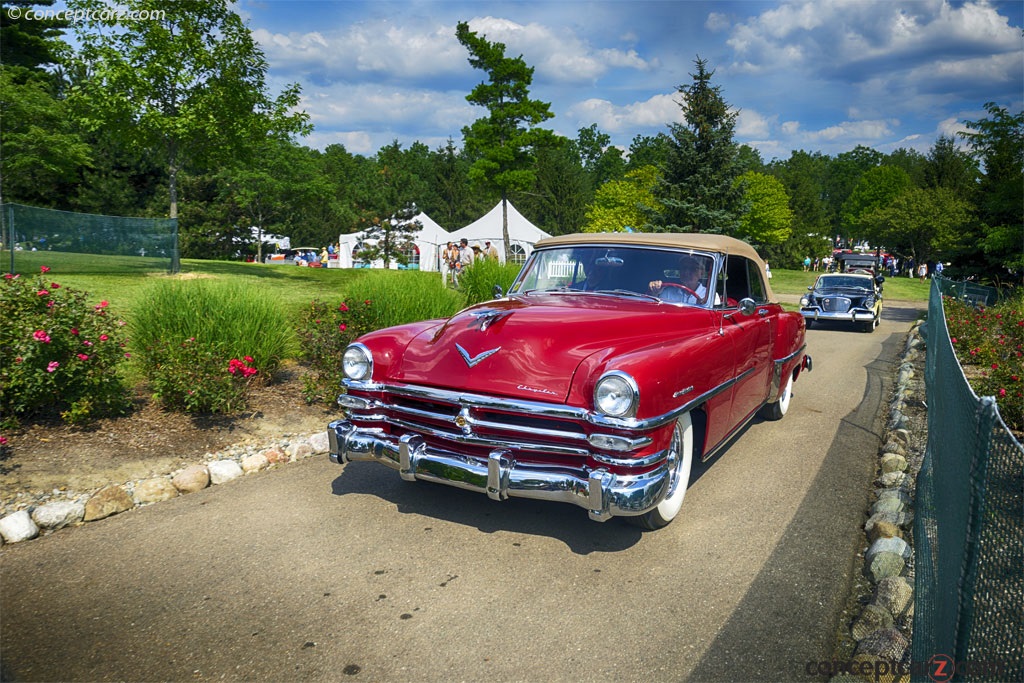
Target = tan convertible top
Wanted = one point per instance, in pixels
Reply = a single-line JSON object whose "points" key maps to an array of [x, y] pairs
{"points": [[672, 240]]}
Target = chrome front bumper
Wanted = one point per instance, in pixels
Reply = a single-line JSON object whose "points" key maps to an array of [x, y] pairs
{"points": [[600, 492], [856, 316]]}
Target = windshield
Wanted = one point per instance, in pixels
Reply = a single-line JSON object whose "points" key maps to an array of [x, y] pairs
{"points": [[842, 282], [673, 276]]}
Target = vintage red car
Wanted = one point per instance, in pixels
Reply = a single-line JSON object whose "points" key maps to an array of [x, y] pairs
{"points": [[612, 362]]}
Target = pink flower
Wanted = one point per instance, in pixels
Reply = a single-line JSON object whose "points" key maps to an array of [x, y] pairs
{"points": [[104, 337], [44, 269], [1002, 393], [8, 276], [343, 308], [86, 343], [953, 340], [102, 304], [3, 440], [50, 304], [43, 292], [54, 285], [41, 336], [342, 327], [248, 359], [74, 331], [82, 356], [52, 366]]}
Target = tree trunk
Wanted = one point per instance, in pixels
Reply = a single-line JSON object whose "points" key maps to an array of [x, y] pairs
{"points": [[504, 225]]}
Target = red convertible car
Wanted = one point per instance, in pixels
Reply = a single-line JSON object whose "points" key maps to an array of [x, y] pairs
{"points": [[612, 362]]}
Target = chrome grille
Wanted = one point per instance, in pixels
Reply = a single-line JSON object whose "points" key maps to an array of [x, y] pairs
{"points": [[835, 304]]}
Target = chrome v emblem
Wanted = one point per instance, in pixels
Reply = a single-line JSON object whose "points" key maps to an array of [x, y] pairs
{"points": [[473, 360]]}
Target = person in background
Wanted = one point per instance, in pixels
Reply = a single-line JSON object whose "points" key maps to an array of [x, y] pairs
{"points": [[489, 251], [465, 253]]}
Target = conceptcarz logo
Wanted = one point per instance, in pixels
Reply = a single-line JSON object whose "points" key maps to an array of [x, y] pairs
{"points": [[939, 668]]}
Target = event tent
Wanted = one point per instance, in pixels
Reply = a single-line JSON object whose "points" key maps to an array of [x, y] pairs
{"points": [[522, 233]]}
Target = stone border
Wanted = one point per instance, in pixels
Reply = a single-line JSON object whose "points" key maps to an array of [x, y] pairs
{"points": [[41, 513], [877, 643]]}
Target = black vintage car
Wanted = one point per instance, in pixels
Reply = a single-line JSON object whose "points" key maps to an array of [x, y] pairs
{"points": [[844, 297]]}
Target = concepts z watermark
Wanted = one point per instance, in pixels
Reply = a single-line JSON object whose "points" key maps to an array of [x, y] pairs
{"points": [[73, 16], [940, 668]]}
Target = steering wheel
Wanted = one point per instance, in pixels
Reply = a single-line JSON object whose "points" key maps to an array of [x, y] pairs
{"points": [[685, 289]]}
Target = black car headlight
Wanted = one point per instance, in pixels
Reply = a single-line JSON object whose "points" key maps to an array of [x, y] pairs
{"points": [[869, 302], [357, 363], [617, 395]]}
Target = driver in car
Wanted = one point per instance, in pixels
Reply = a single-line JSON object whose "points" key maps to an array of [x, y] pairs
{"points": [[690, 291]]}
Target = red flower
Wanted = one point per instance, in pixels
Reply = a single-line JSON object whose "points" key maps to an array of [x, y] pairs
{"points": [[74, 331], [43, 292], [343, 308], [248, 359], [1002, 393], [41, 336], [82, 356], [44, 269], [995, 366], [104, 337], [342, 327], [54, 285], [52, 366]]}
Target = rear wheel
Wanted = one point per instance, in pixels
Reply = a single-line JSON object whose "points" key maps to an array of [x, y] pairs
{"points": [[775, 411], [680, 458]]}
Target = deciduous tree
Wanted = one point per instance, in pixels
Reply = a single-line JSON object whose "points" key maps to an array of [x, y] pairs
{"points": [[768, 219]]}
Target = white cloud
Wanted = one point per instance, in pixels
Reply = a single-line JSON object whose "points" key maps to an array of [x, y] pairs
{"points": [[750, 124], [658, 110]]}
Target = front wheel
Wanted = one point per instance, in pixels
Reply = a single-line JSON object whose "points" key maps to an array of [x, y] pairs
{"points": [[775, 411], [680, 457]]}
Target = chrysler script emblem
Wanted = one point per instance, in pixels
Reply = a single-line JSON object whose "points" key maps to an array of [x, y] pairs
{"points": [[473, 360]]}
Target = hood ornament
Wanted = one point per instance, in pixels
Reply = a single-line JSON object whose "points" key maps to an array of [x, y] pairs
{"points": [[488, 316], [474, 360]]}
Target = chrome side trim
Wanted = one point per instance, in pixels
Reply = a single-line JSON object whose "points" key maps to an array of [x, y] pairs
{"points": [[777, 370]]}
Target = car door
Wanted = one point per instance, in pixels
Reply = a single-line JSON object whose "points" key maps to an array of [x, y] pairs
{"points": [[751, 337]]}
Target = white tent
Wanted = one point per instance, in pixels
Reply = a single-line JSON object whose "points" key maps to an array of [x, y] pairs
{"points": [[430, 241], [522, 233]]}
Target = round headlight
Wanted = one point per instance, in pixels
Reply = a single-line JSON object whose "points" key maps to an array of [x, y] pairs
{"points": [[616, 395], [357, 363], [804, 301]]}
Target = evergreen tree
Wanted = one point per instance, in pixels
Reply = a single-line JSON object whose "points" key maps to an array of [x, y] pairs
{"points": [[698, 189], [503, 144]]}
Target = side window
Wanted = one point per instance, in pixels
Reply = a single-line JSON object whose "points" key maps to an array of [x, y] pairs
{"points": [[756, 283]]}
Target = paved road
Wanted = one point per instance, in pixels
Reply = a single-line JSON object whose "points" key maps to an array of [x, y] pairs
{"points": [[318, 572]]}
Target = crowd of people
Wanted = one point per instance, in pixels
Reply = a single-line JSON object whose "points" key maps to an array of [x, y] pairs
{"points": [[458, 257]]}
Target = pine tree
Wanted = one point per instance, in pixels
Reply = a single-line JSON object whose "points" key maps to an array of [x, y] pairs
{"points": [[698, 190]]}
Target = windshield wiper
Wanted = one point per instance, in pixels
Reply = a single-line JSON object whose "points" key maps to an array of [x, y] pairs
{"points": [[627, 292]]}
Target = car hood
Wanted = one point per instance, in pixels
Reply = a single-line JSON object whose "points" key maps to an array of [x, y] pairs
{"points": [[530, 347]]}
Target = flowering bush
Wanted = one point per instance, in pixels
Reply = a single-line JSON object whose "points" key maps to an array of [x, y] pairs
{"points": [[324, 331], [58, 353], [989, 343], [198, 378]]}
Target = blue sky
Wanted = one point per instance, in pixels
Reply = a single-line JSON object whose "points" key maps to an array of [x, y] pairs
{"points": [[816, 75]]}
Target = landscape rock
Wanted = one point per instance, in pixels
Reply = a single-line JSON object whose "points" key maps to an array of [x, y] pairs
{"points": [[885, 565], [887, 643], [298, 451], [870, 620], [193, 478], [223, 471], [17, 527], [320, 442], [893, 462], [889, 545], [891, 479], [895, 595], [275, 456], [58, 515], [254, 463], [154, 490], [109, 500], [883, 529]]}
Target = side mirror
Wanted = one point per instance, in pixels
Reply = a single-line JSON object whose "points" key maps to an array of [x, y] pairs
{"points": [[498, 292], [747, 306]]}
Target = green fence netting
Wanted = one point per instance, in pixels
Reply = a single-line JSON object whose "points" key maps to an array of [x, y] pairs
{"points": [[969, 523], [118, 243]]}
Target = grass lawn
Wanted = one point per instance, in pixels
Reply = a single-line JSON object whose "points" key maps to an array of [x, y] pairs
{"points": [[120, 279]]}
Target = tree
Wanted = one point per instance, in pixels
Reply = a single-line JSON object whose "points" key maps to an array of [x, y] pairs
{"points": [[921, 222], [390, 239], [648, 150], [502, 145], [26, 44], [562, 189], [624, 204], [189, 85], [843, 174], [769, 220], [876, 188], [997, 142], [698, 189], [456, 206], [948, 167]]}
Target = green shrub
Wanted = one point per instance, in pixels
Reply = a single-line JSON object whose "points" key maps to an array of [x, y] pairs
{"points": [[379, 299], [201, 343], [324, 331], [58, 353], [478, 280], [404, 296]]}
